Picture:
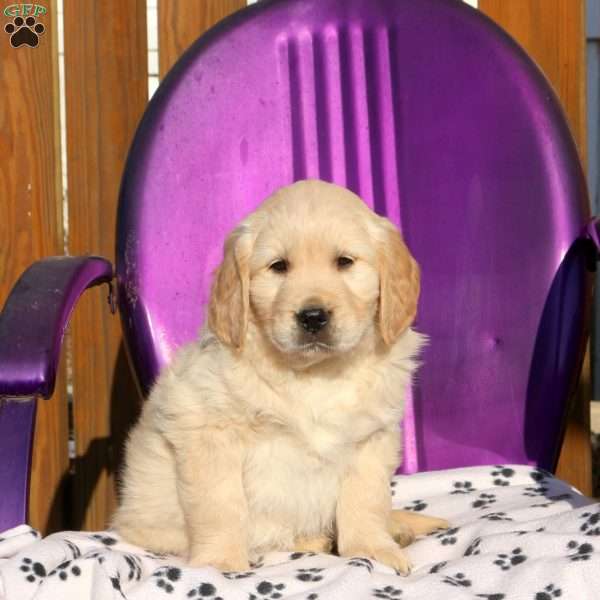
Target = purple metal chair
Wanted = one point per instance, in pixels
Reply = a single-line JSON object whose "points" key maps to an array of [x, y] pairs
{"points": [[439, 121]]}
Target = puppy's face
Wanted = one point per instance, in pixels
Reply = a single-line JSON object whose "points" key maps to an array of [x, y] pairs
{"points": [[316, 271]]}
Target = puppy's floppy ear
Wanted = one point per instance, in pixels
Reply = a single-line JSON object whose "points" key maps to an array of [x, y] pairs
{"points": [[399, 283], [229, 304]]}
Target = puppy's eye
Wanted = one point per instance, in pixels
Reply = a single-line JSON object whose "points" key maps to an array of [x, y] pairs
{"points": [[280, 266], [343, 262]]}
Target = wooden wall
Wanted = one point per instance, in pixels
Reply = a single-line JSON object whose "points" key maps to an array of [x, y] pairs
{"points": [[106, 93], [553, 33]]}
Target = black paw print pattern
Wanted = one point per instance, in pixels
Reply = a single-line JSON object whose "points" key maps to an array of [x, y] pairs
{"points": [[507, 561], [438, 566], [135, 568], [24, 32], [75, 551], [358, 561], [502, 475], [312, 597], [96, 555], [35, 571], [496, 516], [538, 490], [549, 593], [166, 577], [416, 505], [309, 574], [389, 592], [491, 596], [484, 500], [204, 590], [539, 475], [457, 580], [591, 525], [462, 487], [106, 540], [116, 583], [473, 549], [64, 570], [580, 551], [525, 532], [267, 590], [297, 555], [393, 485], [238, 574], [448, 536]]}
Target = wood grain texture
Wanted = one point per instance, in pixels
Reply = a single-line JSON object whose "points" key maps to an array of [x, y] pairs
{"points": [[553, 33], [180, 22], [106, 92], [31, 228]]}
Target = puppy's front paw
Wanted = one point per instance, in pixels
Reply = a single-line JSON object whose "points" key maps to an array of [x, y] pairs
{"points": [[224, 561], [390, 555]]}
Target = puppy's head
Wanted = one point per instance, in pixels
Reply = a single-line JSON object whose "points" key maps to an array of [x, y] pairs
{"points": [[316, 271]]}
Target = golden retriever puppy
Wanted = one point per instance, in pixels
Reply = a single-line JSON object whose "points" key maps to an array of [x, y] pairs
{"points": [[279, 428]]}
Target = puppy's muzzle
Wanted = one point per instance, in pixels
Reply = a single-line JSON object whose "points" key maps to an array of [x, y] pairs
{"points": [[312, 319]]}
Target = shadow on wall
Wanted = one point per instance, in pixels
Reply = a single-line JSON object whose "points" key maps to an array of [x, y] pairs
{"points": [[103, 456]]}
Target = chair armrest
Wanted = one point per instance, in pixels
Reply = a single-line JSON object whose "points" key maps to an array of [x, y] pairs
{"points": [[593, 231], [34, 319]]}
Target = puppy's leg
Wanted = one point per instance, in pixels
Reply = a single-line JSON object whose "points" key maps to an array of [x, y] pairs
{"points": [[320, 543], [364, 505], [405, 520], [211, 493]]}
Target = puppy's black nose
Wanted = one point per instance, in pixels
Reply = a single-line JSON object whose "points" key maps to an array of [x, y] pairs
{"points": [[313, 318]]}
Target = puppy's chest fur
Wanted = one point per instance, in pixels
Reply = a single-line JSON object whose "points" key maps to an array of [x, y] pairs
{"points": [[324, 419], [303, 435]]}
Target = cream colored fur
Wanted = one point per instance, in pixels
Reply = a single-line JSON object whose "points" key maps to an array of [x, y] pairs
{"points": [[263, 437]]}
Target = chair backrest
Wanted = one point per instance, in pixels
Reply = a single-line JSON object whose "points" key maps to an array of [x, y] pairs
{"points": [[438, 120]]}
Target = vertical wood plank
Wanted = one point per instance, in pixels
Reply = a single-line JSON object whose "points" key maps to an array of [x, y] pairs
{"points": [[31, 227], [180, 22], [553, 33], [106, 71]]}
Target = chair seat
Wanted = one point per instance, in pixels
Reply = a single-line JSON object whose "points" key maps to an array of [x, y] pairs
{"points": [[504, 520]]}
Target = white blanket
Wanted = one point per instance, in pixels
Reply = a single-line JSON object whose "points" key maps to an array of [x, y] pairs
{"points": [[517, 533]]}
